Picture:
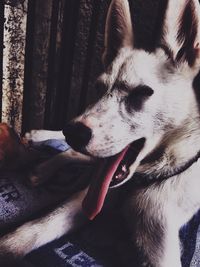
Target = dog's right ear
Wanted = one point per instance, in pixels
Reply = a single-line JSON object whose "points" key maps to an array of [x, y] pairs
{"points": [[118, 31], [181, 31]]}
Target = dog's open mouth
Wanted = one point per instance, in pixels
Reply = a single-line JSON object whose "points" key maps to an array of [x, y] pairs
{"points": [[112, 172]]}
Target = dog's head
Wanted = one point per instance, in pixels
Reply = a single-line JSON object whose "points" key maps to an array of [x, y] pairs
{"points": [[148, 96]]}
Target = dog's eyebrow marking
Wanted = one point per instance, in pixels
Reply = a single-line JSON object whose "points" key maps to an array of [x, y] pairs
{"points": [[154, 155]]}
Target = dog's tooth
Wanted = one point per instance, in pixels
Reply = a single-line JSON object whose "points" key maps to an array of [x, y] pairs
{"points": [[124, 168]]}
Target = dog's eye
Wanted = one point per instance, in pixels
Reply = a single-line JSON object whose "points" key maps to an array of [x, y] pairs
{"points": [[138, 96]]}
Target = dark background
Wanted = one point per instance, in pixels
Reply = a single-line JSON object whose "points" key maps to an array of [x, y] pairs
{"points": [[64, 43]]}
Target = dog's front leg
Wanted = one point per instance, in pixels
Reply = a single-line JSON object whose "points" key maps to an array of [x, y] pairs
{"points": [[155, 246], [38, 232], [171, 246], [49, 168], [153, 230]]}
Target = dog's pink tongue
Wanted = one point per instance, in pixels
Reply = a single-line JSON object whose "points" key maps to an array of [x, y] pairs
{"points": [[93, 202]]}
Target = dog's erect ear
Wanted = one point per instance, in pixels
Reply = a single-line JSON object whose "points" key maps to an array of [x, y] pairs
{"points": [[118, 31], [181, 30]]}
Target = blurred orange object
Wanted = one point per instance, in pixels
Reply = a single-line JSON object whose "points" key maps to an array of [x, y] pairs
{"points": [[11, 146]]}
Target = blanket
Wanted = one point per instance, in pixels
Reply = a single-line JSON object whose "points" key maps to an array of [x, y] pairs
{"points": [[98, 243]]}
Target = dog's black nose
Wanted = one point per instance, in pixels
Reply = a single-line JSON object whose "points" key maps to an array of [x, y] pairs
{"points": [[77, 135]]}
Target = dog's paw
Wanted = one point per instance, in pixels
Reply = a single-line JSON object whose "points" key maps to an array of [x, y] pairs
{"points": [[42, 135], [37, 135]]}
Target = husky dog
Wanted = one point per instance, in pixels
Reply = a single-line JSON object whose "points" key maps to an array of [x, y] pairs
{"points": [[144, 131]]}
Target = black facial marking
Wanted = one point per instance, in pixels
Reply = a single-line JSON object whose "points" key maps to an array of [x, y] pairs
{"points": [[187, 33], [137, 97], [154, 156]]}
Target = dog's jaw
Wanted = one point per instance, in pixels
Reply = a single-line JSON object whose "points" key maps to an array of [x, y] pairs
{"points": [[177, 151], [109, 173]]}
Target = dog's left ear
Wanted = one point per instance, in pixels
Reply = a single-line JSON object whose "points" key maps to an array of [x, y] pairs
{"points": [[181, 30], [118, 30]]}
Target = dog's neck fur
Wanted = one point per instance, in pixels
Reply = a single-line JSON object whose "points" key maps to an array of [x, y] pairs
{"points": [[177, 152]]}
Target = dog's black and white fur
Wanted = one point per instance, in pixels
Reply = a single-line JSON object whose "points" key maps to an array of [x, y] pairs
{"points": [[150, 96]]}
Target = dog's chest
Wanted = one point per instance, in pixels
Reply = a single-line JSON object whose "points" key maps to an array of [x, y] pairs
{"points": [[178, 196]]}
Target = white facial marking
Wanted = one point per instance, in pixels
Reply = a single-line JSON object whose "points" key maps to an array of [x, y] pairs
{"points": [[115, 123]]}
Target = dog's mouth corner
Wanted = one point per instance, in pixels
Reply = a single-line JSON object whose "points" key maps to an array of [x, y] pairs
{"points": [[123, 170], [112, 172]]}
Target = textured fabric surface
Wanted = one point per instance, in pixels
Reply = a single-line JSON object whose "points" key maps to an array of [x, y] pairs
{"points": [[97, 244], [103, 244], [190, 237], [19, 201]]}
